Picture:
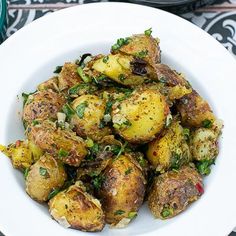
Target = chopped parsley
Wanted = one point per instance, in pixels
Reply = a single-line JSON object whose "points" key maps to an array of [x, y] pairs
{"points": [[82, 75], [53, 193], [142, 54], [35, 122], [132, 214], [80, 109], [186, 133], [121, 77], [166, 212], [98, 181], [119, 212], [148, 32], [207, 123], [119, 43], [43, 171], [26, 172], [175, 161], [63, 153], [25, 97], [67, 109], [203, 167], [128, 171], [58, 69], [105, 59]]}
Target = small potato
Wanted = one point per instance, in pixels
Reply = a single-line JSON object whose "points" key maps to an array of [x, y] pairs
{"points": [[204, 144], [194, 110], [143, 46], [118, 67], [46, 175], [77, 209], [42, 105], [89, 114], [169, 150], [173, 191], [139, 118], [68, 76], [61, 144], [122, 191], [52, 84]]}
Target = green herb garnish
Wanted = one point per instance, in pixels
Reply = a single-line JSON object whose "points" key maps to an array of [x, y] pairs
{"points": [[175, 161], [132, 214], [25, 97], [148, 32], [105, 59], [128, 171], [67, 109], [35, 122], [119, 43], [204, 166], [26, 172], [53, 193], [80, 109], [43, 171], [121, 77], [119, 212], [166, 212], [58, 69], [82, 75], [63, 153], [142, 54], [207, 123], [98, 181], [186, 133]]}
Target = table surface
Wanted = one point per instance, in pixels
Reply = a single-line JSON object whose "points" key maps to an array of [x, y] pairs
{"points": [[219, 19]]}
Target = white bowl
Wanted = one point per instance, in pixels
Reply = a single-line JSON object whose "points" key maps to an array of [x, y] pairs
{"points": [[30, 56]]}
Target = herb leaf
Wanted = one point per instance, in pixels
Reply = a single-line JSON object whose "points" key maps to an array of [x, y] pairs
{"points": [[58, 69], [43, 171], [53, 193], [82, 75], [142, 54], [80, 109], [119, 43], [26, 172], [207, 123], [98, 181], [63, 153], [67, 109], [128, 171], [204, 166], [119, 212], [105, 59], [148, 32]]}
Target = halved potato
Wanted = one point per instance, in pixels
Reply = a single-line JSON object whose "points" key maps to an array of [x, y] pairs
{"points": [[140, 117], [77, 209], [46, 175], [61, 144], [170, 150], [194, 110], [122, 190], [90, 110], [52, 84]]}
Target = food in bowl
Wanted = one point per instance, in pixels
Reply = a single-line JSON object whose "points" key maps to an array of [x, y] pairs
{"points": [[108, 132]]}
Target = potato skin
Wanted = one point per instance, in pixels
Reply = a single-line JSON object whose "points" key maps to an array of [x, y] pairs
{"points": [[142, 43], [194, 110], [77, 209], [43, 105], [61, 144], [44, 176], [68, 76], [51, 83], [89, 124], [173, 191], [170, 150], [141, 117], [118, 197]]}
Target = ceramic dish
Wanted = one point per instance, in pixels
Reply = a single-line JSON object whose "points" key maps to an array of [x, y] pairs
{"points": [[27, 58]]}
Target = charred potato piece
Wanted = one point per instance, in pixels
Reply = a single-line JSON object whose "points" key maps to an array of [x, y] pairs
{"points": [[118, 67], [61, 144], [46, 175], [89, 114], [52, 84], [140, 117], [68, 76], [77, 209], [22, 153], [173, 191], [120, 200], [204, 142], [194, 110], [42, 105], [170, 150], [142, 46]]}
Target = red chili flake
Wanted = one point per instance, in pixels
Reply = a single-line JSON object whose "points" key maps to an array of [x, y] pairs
{"points": [[18, 142], [154, 153], [199, 188]]}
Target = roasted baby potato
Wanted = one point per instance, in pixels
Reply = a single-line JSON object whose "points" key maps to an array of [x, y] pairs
{"points": [[141, 46], [89, 113], [170, 150], [173, 191], [120, 200], [22, 153], [77, 209], [68, 76], [195, 111], [44, 176], [139, 118], [52, 84], [204, 142], [61, 144], [42, 105]]}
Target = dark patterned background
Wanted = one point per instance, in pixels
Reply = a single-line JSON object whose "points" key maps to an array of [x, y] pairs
{"points": [[219, 19]]}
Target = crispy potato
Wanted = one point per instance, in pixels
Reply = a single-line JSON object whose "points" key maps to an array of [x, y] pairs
{"points": [[61, 144], [118, 67], [77, 209], [120, 200], [204, 142], [68, 76], [52, 84], [143, 46], [194, 110], [22, 153], [170, 150], [46, 175], [173, 191], [42, 105], [140, 117], [90, 111]]}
